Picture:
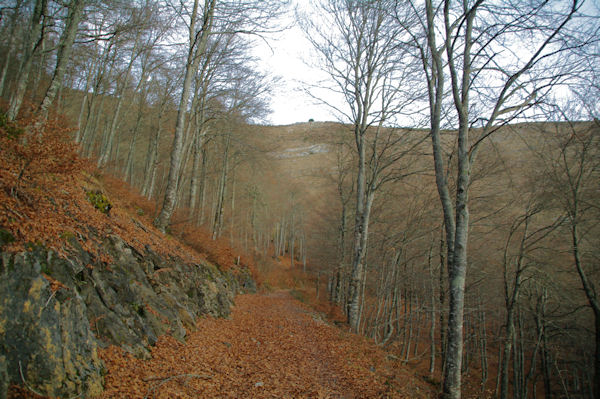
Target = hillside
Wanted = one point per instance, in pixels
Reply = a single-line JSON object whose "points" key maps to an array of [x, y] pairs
{"points": [[96, 301]]}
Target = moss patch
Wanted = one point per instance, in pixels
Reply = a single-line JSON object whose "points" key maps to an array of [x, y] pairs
{"points": [[99, 201]]}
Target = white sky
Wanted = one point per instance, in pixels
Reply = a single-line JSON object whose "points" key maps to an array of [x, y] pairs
{"points": [[287, 58]]}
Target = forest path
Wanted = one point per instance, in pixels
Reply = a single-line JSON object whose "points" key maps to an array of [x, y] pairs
{"points": [[272, 346]]}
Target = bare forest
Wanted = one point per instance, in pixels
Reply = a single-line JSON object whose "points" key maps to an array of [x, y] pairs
{"points": [[449, 216]]}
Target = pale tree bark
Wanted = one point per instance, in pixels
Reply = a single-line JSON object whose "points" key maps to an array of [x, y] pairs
{"points": [[75, 10], [32, 43], [84, 102], [152, 158], [109, 138], [457, 47], [197, 44], [10, 45], [514, 276], [573, 173], [196, 171], [103, 67], [362, 61], [129, 163], [222, 190]]}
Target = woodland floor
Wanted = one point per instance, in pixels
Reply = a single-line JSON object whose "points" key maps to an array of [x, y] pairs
{"points": [[272, 346]]}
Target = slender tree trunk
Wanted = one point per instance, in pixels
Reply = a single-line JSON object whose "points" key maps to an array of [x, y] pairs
{"points": [[203, 184], [483, 347], [432, 312], [197, 44], [218, 216], [590, 292], [360, 234], [82, 106], [196, 171], [33, 42], [442, 303], [10, 45], [232, 216], [152, 158], [63, 55], [107, 148]]}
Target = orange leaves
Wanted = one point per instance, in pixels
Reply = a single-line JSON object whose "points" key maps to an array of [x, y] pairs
{"points": [[271, 347], [217, 251], [42, 199], [55, 285]]}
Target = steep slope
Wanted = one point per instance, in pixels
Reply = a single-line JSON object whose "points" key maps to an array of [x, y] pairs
{"points": [[81, 268]]}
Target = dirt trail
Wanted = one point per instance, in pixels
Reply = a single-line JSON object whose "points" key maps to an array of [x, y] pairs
{"points": [[271, 347]]}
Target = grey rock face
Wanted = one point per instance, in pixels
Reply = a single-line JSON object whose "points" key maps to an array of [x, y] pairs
{"points": [[49, 337], [44, 334]]}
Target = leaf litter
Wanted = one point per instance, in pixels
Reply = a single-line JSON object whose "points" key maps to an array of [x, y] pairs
{"points": [[270, 347]]}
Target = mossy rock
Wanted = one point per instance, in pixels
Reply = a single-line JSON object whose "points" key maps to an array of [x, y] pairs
{"points": [[99, 201]]}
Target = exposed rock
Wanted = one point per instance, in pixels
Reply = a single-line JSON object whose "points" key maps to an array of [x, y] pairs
{"points": [[3, 378], [45, 334], [55, 312]]}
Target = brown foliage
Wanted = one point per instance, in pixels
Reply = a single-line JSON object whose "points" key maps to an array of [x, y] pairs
{"points": [[273, 346], [43, 186], [217, 251]]}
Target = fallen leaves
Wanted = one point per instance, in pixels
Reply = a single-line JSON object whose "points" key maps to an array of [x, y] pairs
{"points": [[271, 347], [43, 201]]}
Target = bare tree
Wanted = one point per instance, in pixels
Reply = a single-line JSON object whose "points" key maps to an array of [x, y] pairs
{"points": [[571, 161], [359, 49], [74, 12], [475, 44], [234, 17], [12, 29], [33, 41]]}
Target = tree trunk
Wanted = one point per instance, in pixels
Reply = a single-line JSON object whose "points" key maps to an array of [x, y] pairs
{"points": [[197, 44], [590, 292], [203, 184], [63, 55], [218, 216], [432, 312], [33, 42], [196, 171], [483, 347], [107, 148], [360, 235], [11, 39], [232, 216]]}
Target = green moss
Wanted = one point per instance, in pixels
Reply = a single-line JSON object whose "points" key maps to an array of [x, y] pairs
{"points": [[6, 237], [9, 127], [139, 309], [99, 201]]}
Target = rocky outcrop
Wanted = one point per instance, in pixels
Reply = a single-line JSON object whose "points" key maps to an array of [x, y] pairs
{"points": [[55, 313]]}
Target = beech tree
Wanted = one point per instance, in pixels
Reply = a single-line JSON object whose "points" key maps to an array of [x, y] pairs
{"points": [[234, 17], [359, 49], [32, 44], [571, 162], [11, 31], [475, 44], [74, 13]]}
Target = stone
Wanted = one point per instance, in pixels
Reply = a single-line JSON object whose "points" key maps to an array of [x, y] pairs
{"points": [[53, 337]]}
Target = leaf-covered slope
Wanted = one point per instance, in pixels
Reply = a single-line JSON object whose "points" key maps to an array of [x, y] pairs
{"points": [[272, 346], [81, 267]]}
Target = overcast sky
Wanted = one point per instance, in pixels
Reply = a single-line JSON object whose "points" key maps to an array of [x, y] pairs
{"points": [[287, 58]]}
